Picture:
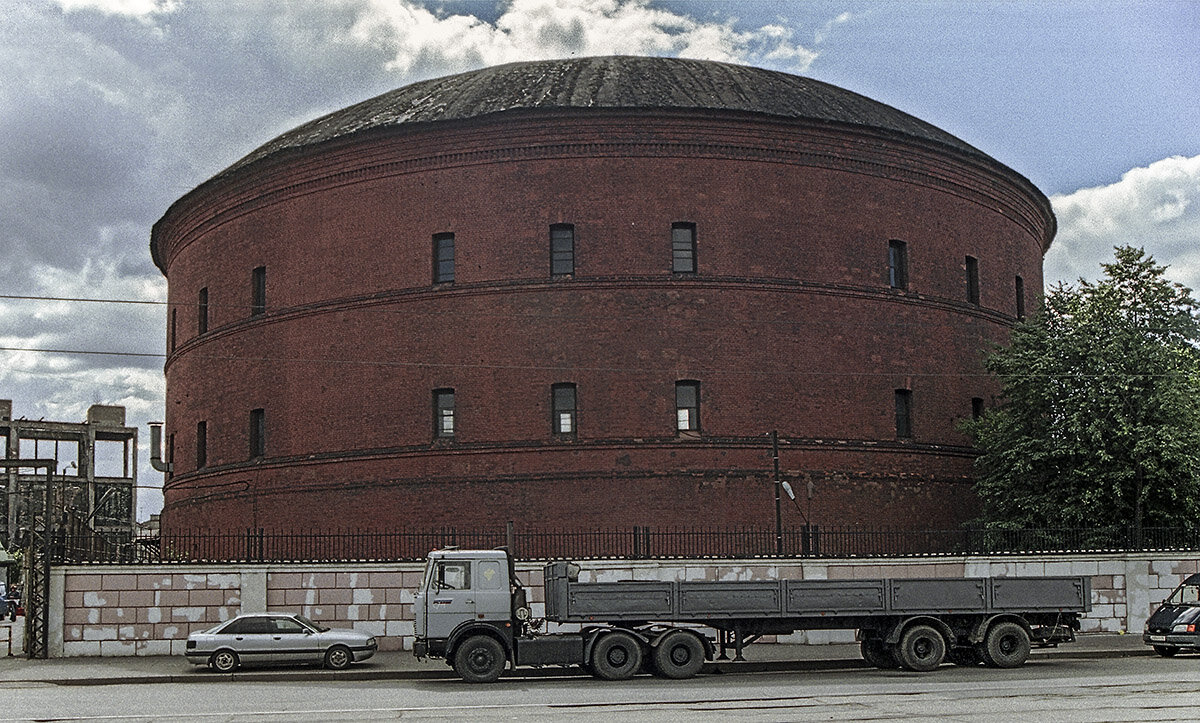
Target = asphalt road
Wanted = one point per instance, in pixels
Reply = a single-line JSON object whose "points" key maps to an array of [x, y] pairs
{"points": [[1109, 689]]}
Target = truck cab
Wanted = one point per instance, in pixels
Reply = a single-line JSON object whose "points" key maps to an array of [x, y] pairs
{"points": [[466, 594]]}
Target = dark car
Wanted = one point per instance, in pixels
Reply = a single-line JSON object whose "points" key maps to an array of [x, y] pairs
{"points": [[1175, 625], [277, 638]]}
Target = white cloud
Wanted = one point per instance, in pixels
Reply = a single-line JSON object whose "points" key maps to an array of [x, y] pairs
{"points": [[128, 8], [423, 43], [1156, 207]]}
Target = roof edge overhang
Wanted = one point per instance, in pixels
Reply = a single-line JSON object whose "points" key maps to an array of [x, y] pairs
{"points": [[239, 172]]}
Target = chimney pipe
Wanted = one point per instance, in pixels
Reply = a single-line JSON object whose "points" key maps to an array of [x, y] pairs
{"points": [[156, 448]]}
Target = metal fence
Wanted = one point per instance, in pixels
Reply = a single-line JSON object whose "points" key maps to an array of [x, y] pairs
{"points": [[261, 545]]}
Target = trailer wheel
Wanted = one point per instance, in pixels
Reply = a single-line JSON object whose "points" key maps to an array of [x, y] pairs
{"points": [[616, 656], [479, 659], [921, 648], [874, 652], [1006, 645], [1167, 651], [678, 655]]}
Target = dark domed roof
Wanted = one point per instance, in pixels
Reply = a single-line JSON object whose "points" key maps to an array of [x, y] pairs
{"points": [[609, 82]]}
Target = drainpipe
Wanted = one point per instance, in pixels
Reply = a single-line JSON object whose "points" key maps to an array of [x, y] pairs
{"points": [[156, 448]]}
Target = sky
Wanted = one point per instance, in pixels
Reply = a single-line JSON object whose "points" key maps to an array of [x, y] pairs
{"points": [[110, 110]]}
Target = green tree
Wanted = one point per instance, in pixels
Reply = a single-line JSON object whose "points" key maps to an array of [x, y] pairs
{"points": [[1099, 415]]}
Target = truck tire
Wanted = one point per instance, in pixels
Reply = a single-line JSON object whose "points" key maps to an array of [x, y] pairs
{"points": [[479, 659], [678, 655], [1006, 645], [616, 656], [922, 648]]}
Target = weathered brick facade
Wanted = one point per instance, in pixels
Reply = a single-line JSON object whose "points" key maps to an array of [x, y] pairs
{"points": [[790, 322]]}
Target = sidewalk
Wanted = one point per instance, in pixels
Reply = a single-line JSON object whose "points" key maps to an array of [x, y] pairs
{"points": [[402, 665]]}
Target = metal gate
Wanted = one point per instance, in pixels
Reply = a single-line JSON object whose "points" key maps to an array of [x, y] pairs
{"points": [[38, 534]]}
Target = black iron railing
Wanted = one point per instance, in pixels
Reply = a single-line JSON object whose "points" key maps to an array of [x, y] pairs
{"points": [[261, 545]]}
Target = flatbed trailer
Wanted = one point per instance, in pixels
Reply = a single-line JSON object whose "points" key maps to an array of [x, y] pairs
{"points": [[472, 611]]}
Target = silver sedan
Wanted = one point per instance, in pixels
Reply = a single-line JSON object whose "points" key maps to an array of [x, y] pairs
{"points": [[276, 638]]}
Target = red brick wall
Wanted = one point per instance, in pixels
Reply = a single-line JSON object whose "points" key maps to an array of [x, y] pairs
{"points": [[788, 325]]}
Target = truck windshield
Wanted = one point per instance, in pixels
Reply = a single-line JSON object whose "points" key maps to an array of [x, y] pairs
{"points": [[1185, 595]]}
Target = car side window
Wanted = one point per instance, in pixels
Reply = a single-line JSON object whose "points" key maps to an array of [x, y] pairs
{"points": [[238, 627], [454, 575], [287, 625]]}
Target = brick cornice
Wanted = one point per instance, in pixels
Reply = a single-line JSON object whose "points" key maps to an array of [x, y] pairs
{"points": [[560, 134]]}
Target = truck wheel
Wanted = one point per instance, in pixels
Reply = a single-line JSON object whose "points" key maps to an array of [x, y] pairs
{"points": [[1006, 645], [679, 655], [874, 653], [1167, 651], [616, 656], [479, 659], [921, 648]]}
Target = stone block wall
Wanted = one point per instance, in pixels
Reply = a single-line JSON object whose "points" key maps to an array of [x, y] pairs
{"points": [[123, 610]]}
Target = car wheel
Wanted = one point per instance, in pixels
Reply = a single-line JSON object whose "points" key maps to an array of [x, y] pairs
{"points": [[480, 659], [1005, 646], [1167, 651], [338, 657], [922, 648], [678, 655], [223, 661], [616, 656]]}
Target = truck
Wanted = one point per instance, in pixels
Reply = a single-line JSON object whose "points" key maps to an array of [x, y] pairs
{"points": [[472, 611]]}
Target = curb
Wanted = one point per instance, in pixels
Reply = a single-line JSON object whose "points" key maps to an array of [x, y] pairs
{"points": [[723, 667]]}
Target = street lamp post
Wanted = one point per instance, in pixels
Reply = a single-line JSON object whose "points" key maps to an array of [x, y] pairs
{"points": [[778, 484]]}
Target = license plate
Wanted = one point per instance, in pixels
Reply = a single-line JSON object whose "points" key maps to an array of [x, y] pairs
{"points": [[1158, 638]]}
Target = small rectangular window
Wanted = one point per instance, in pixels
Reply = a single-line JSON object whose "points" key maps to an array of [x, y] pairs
{"points": [[687, 406], [683, 248], [897, 264], [171, 332], [973, 280], [976, 407], [258, 291], [903, 413], [201, 445], [202, 312], [1020, 291], [258, 433], [171, 455], [443, 413], [562, 399], [562, 249], [443, 258]]}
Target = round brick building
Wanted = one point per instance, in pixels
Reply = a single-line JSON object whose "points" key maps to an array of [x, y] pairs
{"points": [[581, 294]]}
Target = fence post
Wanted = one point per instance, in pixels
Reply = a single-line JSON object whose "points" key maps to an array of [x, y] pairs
{"points": [[510, 539], [637, 543]]}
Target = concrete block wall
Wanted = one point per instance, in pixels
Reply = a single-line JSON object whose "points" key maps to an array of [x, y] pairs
{"points": [[120, 610]]}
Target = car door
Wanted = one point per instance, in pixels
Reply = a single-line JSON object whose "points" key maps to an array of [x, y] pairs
{"points": [[289, 641], [248, 637], [451, 598]]}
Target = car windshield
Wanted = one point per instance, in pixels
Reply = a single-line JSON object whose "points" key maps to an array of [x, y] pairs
{"points": [[315, 626], [1185, 595]]}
